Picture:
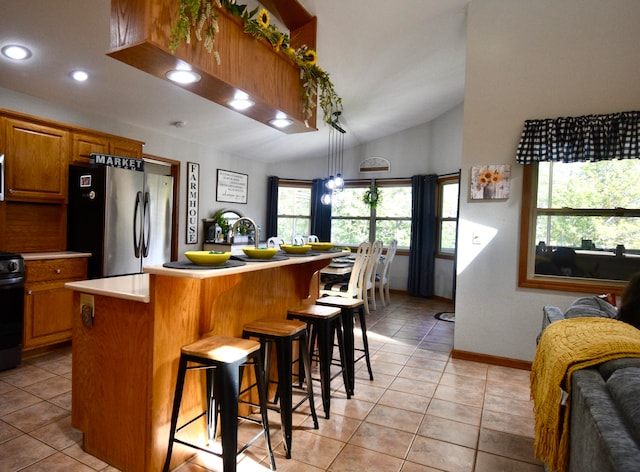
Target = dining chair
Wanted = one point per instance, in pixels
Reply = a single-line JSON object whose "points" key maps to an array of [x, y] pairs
{"points": [[383, 277], [368, 287], [313, 238], [274, 241], [350, 288], [298, 241]]}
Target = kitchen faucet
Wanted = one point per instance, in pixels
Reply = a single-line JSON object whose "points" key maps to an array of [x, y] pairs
{"points": [[248, 220]]}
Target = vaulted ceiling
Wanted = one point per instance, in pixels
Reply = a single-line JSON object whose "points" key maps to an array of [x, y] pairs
{"points": [[395, 64]]}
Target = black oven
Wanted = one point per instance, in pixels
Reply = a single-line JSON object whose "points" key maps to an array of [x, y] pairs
{"points": [[11, 309]]}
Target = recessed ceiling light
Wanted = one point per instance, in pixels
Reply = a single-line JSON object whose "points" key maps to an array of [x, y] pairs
{"points": [[241, 101], [281, 120], [79, 75], [183, 76], [17, 52]]}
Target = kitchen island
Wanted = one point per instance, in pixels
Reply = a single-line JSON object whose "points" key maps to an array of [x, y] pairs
{"points": [[125, 353]]}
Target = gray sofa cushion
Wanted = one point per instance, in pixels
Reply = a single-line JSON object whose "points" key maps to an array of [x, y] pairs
{"points": [[624, 385], [591, 306], [609, 367], [599, 439]]}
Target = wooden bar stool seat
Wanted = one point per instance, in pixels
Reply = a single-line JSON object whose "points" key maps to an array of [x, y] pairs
{"points": [[325, 323], [223, 359], [283, 333], [349, 307]]}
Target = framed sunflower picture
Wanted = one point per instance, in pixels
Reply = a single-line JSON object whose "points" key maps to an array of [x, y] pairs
{"points": [[491, 182]]}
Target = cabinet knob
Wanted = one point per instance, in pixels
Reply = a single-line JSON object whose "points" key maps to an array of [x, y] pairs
{"points": [[10, 190], [29, 292], [58, 271]]}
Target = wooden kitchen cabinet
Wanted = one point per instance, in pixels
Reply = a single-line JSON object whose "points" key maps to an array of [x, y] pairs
{"points": [[84, 144], [48, 306], [36, 159]]}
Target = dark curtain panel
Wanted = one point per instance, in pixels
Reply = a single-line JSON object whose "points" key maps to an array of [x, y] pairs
{"points": [[320, 214], [581, 138], [423, 238], [272, 208]]}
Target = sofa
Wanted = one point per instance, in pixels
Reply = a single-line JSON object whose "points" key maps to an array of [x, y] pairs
{"points": [[604, 419]]}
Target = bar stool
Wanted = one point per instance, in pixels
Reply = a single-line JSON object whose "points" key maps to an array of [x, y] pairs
{"points": [[223, 358], [282, 333], [349, 307], [324, 322]]}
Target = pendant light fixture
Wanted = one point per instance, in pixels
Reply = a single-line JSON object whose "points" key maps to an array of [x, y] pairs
{"points": [[335, 154]]}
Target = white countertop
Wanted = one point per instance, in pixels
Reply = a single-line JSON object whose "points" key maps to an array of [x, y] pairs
{"points": [[35, 256], [129, 287]]}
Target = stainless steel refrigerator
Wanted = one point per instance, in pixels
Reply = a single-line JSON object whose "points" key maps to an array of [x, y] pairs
{"points": [[123, 217]]}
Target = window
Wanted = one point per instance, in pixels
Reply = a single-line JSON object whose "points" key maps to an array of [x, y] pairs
{"points": [[353, 221], [448, 188], [294, 209], [581, 224]]}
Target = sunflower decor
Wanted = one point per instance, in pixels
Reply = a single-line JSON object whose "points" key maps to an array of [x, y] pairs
{"points": [[200, 17], [490, 182]]}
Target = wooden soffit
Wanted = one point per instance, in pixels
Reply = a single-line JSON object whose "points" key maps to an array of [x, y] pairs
{"points": [[140, 31]]}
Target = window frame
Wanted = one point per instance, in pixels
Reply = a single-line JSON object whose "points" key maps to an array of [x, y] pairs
{"points": [[442, 181], [372, 218], [295, 184], [526, 271]]}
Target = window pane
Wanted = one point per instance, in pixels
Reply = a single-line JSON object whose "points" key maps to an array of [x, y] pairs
{"points": [[290, 227], [395, 202], [448, 236], [387, 230], [450, 200], [294, 201], [599, 232], [604, 184], [349, 202], [349, 232]]}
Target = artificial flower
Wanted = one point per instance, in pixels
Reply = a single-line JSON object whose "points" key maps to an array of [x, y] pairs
{"points": [[496, 177], [310, 57], [264, 18], [279, 43]]}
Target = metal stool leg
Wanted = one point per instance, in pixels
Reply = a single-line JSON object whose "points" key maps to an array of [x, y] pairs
{"points": [[177, 398]]}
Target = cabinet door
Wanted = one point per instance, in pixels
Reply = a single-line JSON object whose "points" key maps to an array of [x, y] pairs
{"points": [[48, 316], [126, 148], [36, 158], [85, 144]]}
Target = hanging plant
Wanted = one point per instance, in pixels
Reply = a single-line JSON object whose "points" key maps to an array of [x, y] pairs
{"points": [[372, 197], [201, 16]]}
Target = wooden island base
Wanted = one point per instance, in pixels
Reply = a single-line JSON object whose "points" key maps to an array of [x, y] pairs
{"points": [[125, 366]]}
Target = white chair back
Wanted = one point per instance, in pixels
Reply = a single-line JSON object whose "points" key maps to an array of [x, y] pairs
{"points": [[369, 280], [274, 241], [313, 238], [383, 282], [358, 271], [298, 241]]}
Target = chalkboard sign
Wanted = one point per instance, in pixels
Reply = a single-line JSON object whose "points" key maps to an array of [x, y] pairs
{"points": [[232, 187]]}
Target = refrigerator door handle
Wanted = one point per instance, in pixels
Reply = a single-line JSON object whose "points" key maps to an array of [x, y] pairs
{"points": [[146, 232], [136, 236]]}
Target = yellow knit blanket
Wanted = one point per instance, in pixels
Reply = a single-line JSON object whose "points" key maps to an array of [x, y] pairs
{"points": [[566, 346]]}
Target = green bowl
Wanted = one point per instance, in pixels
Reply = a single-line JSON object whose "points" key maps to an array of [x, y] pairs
{"points": [[291, 249], [207, 258], [260, 253]]}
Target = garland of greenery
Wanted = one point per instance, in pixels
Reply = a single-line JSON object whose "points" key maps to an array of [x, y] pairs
{"points": [[201, 16]]}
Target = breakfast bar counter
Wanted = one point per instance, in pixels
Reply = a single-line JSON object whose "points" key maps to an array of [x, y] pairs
{"points": [[127, 340]]}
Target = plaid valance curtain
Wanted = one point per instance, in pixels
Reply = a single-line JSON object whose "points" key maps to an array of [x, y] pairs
{"points": [[582, 138]]}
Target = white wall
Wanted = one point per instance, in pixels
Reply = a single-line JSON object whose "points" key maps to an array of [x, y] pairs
{"points": [[528, 59]]}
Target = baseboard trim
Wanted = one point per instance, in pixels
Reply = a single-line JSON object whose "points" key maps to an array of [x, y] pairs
{"points": [[493, 360]]}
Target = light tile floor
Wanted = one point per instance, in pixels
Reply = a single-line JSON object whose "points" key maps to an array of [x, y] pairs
{"points": [[424, 411]]}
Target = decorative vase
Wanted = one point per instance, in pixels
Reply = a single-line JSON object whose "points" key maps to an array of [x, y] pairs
{"points": [[489, 191]]}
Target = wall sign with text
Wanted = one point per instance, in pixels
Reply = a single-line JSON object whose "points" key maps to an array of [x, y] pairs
{"points": [[231, 187], [193, 181]]}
